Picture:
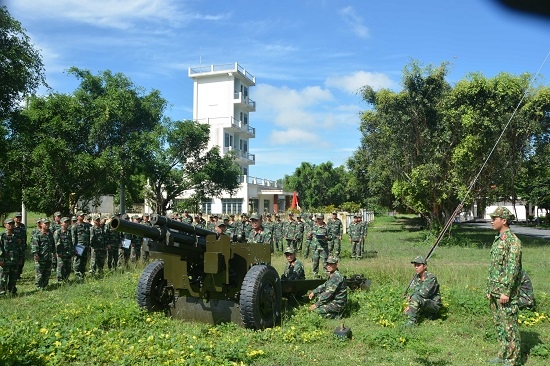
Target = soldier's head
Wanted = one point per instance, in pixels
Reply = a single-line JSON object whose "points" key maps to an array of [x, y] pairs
{"points": [[97, 220], [65, 222], [45, 224], [220, 227], [74, 219], [334, 214], [419, 264], [57, 217], [197, 218], [299, 217], [145, 217], [289, 254], [332, 264], [225, 219], [291, 216], [356, 217], [9, 224], [268, 216], [255, 220], [80, 216], [277, 217], [17, 217], [501, 218], [320, 218]]}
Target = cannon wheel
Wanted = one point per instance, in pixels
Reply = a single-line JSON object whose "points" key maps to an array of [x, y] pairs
{"points": [[260, 298], [150, 287]]}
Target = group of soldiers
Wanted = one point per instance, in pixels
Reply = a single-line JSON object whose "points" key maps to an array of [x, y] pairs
{"points": [[67, 244]]}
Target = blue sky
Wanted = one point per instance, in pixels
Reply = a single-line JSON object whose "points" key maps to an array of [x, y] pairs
{"points": [[309, 57]]}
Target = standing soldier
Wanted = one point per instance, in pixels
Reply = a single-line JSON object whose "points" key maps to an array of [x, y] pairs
{"points": [[230, 230], [135, 250], [320, 237], [187, 219], [300, 238], [126, 244], [146, 241], [55, 225], [99, 247], [64, 249], [308, 226], [355, 236], [278, 233], [198, 223], [80, 233], [42, 249], [211, 224], [202, 220], [364, 230], [503, 286], [335, 228], [257, 234], [290, 231], [269, 226], [10, 256], [20, 231], [114, 239]]}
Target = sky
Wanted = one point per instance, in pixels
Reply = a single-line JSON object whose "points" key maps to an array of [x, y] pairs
{"points": [[310, 58]]}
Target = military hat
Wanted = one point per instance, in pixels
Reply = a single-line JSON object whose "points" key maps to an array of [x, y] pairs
{"points": [[277, 215], [79, 213], [502, 212], [419, 259], [232, 215], [9, 221], [332, 260], [268, 215], [38, 220], [65, 219], [200, 212], [97, 217], [126, 216], [334, 213], [145, 215], [46, 221], [88, 217], [255, 216], [214, 215], [197, 216], [73, 218], [225, 217], [185, 211], [18, 214], [220, 223], [291, 213], [298, 216], [57, 213], [320, 216], [289, 250]]}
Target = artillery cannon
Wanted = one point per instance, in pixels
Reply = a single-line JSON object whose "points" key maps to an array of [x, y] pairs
{"points": [[199, 275]]}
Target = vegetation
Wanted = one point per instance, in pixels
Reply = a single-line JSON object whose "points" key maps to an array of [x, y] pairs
{"points": [[98, 322]]}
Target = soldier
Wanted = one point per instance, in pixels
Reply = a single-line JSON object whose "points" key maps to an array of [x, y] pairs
{"points": [[290, 231], [269, 226], [364, 230], [80, 233], [257, 234], [320, 237], [98, 244], [230, 230], [301, 228], [187, 218], [308, 227], [335, 228], [11, 254], [126, 244], [64, 249], [203, 221], [278, 233], [42, 249], [332, 295], [355, 233], [503, 287], [198, 222], [146, 241], [211, 224], [114, 239], [220, 228], [20, 231], [425, 298], [55, 225], [137, 241], [294, 269]]}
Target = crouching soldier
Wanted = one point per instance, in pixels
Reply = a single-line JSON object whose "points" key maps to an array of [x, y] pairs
{"points": [[332, 295], [425, 298]]}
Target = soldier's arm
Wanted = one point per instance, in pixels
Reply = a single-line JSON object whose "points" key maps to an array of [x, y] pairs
{"points": [[328, 293], [512, 269]]}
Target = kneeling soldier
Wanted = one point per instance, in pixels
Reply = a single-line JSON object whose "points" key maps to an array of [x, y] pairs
{"points": [[425, 298], [332, 295]]}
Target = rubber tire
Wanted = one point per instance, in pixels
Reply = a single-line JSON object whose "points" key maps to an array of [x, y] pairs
{"points": [[150, 286], [260, 297]]}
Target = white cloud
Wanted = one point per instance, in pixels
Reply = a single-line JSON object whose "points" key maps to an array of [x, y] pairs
{"points": [[355, 21], [120, 14], [353, 82], [296, 135]]}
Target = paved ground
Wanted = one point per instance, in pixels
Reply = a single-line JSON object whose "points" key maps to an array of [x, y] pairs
{"points": [[518, 229]]}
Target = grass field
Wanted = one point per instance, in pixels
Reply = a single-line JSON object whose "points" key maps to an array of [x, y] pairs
{"points": [[97, 322]]}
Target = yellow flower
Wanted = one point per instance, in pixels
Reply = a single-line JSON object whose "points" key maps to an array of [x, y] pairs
{"points": [[43, 331]]}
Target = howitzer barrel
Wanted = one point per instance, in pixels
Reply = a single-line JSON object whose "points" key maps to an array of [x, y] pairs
{"points": [[179, 226], [136, 229]]}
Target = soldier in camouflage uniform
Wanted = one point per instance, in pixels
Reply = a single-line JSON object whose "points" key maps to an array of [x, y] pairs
{"points": [[42, 248], [355, 232], [364, 231], [290, 231], [335, 228], [114, 239], [147, 243], [80, 233], [332, 296], [186, 218], [503, 287], [294, 269], [20, 231], [257, 235], [98, 242], [64, 249], [269, 226], [11, 254], [126, 244], [425, 298], [137, 242], [301, 228], [278, 233], [320, 238], [198, 223], [211, 224], [54, 226], [308, 226]]}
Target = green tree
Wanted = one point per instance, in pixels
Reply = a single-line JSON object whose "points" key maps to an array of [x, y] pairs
{"points": [[180, 163]]}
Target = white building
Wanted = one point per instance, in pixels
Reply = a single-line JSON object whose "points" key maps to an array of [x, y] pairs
{"points": [[221, 98]]}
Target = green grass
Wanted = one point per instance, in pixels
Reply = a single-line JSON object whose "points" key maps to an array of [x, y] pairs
{"points": [[97, 322]]}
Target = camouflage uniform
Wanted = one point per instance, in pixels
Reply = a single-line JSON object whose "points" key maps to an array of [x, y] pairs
{"points": [[504, 278], [55, 225], [355, 236], [320, 237], [258, 237], [295, 271], [11, 254], [98, 242], [186, 218], [80, 233], [42, 249], [278, 234], [364, 230], [20, 231], [332, 296], [269, 227], [137, 242], [425, 297], [335, 228], [291, 231], [64, 249], [308, 226], [113, 239], [301, 229]]}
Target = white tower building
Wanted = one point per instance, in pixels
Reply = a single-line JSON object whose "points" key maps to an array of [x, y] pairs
{"points": [[221, 98]]}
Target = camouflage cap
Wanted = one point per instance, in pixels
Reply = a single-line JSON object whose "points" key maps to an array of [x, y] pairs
{"points": [[79, 213], [332, 260], [46, 221], [73, 218], [57, 213], [289, 250], [65, 219], [225, 217], [9, 221], [97, 217], [126, 216], [291, 213], [298, 216], [39, 220], [502, 212], [220, 223], [255, 216], [18, 214], [268, 214], [320, 216], [145, 215], [232, 215], [277, 215], [419, 259], [334, 213]]}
